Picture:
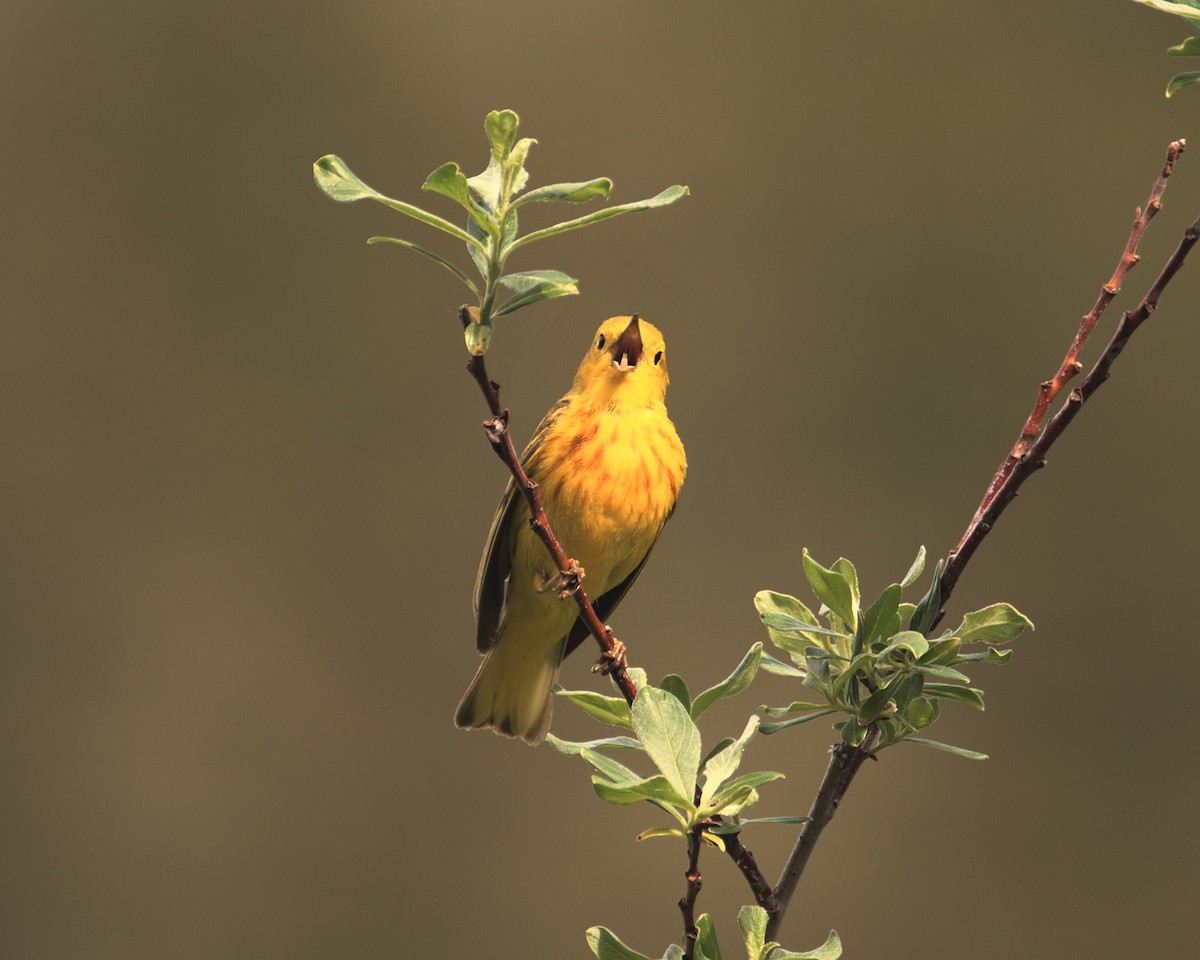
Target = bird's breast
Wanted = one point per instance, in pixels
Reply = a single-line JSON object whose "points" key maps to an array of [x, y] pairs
{"points": [[609, 481]]}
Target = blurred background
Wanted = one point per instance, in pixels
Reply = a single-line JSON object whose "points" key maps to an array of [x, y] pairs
{"points": [[243, 487]]}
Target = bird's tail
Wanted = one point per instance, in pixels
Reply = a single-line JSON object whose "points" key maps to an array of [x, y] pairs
{"points": [[511, 691]]}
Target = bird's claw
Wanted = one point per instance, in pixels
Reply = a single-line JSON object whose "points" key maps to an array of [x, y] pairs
{"points": [[612, 658], [564, 583]]}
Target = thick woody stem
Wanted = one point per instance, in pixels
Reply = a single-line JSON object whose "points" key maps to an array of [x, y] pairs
{"points": [[844, 763], [764, 896], [687, 903], [612, 651]]}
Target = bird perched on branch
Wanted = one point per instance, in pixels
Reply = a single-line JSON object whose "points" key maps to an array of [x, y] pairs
{"points": [[609, 465]]}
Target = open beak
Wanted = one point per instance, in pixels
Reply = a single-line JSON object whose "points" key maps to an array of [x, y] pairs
{"points": [[627, 350]]}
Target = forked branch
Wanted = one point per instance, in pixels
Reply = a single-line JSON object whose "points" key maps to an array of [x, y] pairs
{"points": [[1027, 456]]}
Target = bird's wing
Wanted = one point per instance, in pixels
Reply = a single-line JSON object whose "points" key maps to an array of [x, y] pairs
{"points": [[495, 566], [605, 604]]}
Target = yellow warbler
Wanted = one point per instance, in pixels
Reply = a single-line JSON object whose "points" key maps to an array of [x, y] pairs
{"points": [[609, 466]]}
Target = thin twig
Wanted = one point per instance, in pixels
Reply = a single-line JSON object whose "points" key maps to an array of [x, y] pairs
{"points": [[612, 651], [1004, 482], [1036, 457], [844, 764]]}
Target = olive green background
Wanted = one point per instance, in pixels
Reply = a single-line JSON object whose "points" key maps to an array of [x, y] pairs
{"points": [[244, 486]]}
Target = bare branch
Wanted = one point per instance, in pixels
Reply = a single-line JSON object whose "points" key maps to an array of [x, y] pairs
{"points": [[1021, 460], [844, 764]]}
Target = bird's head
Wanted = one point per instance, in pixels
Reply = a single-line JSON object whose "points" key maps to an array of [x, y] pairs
{"points": [[626, 363]]}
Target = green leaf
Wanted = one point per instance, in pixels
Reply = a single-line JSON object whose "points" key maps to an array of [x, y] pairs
{"points": [[952, 691], [946, 673], [845, 687], [668, 196], [777, 820], [831, 949], [339, 183], [477, 336], [432, 256], [770, 665], [489, 184], [706, 938], [943, 651], [501, 127], [515, 173], [783, 623], [615, 770], [1189, 48], [879, 618], [611, 710], [714, 750], [733, 684], [752, 921], [606, 946], [1187, 11], [853, 732], [844, 567], [790, 624], [735, 824], [999, 623], [921, 712], [926, 611], [568, 192], [573, 748], [654, 832], [669, 737], [450, 182], [766, 729], [877, 702], [992, 656], [1181, 80], [676, 685], [834, 588], [722, 765], [909, 640], [534, 286], [915, 571], [796, 706], [657, 788], [738, 793], [937, 745], [481, 253]]}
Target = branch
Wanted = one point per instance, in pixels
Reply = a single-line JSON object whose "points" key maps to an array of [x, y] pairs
{"points": [[764, 896], [1025, 458], [687, 903], [844, 764], [612, 652]]}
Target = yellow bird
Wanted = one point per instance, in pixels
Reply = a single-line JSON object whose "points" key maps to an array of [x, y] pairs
{"points": [[609, 466]]}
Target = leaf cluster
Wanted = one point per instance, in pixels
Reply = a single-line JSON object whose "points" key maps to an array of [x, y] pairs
{"points": [[1189, 12], [870, 666], [701, 791], [752, 922], [491, 201]]}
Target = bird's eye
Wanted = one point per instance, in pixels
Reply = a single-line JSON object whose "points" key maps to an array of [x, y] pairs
{"points": [[600, 343], [657, 357]]}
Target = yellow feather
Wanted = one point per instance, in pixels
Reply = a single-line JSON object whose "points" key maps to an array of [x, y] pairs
{"points": [[609, 465]]}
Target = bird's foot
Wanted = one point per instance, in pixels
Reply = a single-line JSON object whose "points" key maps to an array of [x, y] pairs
{"points": [[612, 658], [564, 583]]}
